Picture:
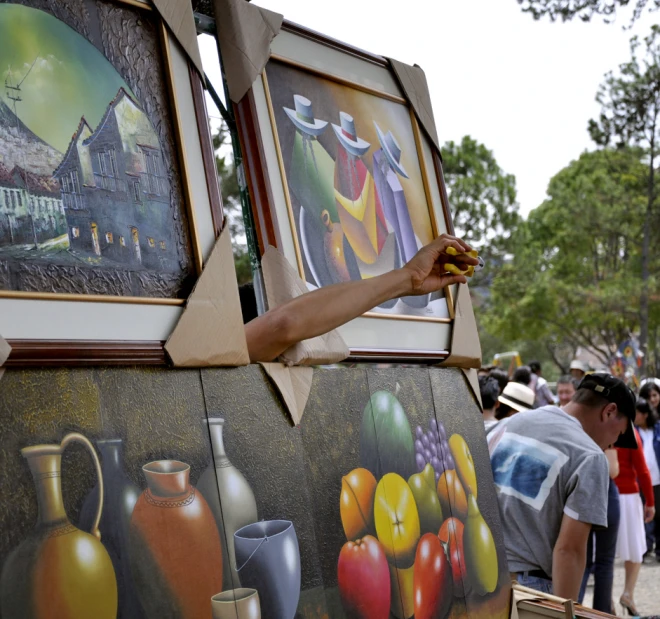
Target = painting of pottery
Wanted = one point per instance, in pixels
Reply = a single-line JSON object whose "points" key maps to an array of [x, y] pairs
{"points": [[236, 604], [90, 199], [356, 187], [175, 547], [268, 560], [58, 570], [120, 495], [230, 498]]}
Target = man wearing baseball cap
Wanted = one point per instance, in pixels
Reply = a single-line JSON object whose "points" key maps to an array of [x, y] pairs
{"points": [[552, 481]]}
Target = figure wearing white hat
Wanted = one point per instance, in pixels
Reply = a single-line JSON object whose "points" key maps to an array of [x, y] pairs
{"points": [[311, 173], [387, 170], [358, 206]]}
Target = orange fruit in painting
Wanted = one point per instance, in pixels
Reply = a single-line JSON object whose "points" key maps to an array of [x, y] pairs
{"points": [[356, 503], [452, 495]]}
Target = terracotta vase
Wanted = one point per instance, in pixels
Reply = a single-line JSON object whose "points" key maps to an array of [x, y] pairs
{"points": [[119, 499], [174, 546], [59, 570], [268, 560], [236, 604], [222, 483]]}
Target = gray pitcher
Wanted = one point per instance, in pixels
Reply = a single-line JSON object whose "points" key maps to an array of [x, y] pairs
{"points": [[268, 560], [235, 507]]}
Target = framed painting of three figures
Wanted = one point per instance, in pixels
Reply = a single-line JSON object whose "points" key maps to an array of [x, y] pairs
{"points": [[356, 188]]}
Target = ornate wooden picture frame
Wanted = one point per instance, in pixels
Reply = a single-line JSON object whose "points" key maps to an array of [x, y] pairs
{"points": [[102, 236], [346, 184]]}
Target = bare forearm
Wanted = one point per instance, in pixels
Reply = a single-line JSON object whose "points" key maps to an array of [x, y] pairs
{"points": [[320, 311], [327, 308], [567, 570]]}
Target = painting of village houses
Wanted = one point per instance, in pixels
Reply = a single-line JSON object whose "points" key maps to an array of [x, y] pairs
{"points": [[85, 192]]}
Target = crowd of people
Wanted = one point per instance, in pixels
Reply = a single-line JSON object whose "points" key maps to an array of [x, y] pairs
{"points": [[578, 478]]}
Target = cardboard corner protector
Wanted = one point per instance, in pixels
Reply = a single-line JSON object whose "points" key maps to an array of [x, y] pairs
{"points": [[210, 331]]}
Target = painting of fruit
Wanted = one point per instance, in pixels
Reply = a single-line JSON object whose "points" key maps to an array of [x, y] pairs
{"points": [[397, 520], [451, 533], [432, 579], [426, 497], [426, 531], [403, 592], [464, 463], [364, 579], [386, 441], [452, 495], [356, 503], [480, 551]]}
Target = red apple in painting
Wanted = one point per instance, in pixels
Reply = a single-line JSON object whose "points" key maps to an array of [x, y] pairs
{"points": [[432, 578], [451, 533], [364, 579]]}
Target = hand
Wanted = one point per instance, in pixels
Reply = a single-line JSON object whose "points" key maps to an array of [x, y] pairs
{"points": [[649, 513], [425, 268]]}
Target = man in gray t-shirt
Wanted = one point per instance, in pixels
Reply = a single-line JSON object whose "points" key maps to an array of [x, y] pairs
{"points": [[552, 478]]}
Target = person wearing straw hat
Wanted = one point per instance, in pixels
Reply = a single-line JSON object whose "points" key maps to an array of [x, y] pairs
{"points": [[515, 398], [577, 369], [552, 479]]}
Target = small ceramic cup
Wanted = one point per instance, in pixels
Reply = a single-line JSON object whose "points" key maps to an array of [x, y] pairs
{"points": [[236, 604]]}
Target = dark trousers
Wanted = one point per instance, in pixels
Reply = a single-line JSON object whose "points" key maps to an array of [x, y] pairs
{"points": [[653, 527], [602, 560]]}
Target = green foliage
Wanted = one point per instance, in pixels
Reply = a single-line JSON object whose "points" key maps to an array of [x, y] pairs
{"points": [[584, 9], [232, 204], [630, 115], [575, 275], [483, 201], [482, 196]]}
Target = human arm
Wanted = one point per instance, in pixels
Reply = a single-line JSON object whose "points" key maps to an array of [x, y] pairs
{"points": [[569, 557], [544, 394], [613, 462], [644, 479], [329, 307]]}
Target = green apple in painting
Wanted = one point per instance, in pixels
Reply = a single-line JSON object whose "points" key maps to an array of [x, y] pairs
{"points": [[426, 497], [386, 440]]}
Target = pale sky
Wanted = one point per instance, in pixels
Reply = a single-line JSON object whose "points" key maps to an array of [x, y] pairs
{"points": [[525, 89]]}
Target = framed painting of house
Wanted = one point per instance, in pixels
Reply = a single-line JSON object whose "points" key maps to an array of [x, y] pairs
{"points": [[346, 183], [108, 201]]}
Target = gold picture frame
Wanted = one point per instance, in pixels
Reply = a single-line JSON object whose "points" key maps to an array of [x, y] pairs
{"points": [[124, 328], [402, 333]]}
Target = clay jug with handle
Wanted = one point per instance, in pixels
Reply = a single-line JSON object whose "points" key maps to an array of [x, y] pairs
{"points": [[223, 484], [174, 545], [59, 570], [119, 498]]}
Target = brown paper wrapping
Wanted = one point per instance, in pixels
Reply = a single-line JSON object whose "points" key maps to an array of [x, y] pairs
{"points": [[210, 331], [245, 32], [415, 89], [5, 349], [293, 384], [473, 380], [465, 351], [282, 284], [178, 16]]}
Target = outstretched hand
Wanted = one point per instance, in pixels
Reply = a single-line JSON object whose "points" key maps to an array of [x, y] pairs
{"points": [[426, 271]]}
